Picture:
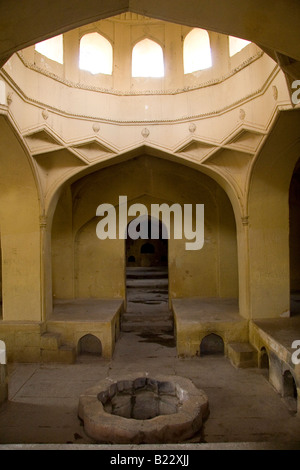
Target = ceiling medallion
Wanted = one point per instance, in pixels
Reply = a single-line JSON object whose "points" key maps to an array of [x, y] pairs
{"points": [[242, 114], [275, 92], [192, 127], [9, 98], [45, 114], [96, 127], [145, 132]]}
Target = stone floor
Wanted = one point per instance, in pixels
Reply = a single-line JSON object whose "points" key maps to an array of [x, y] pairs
{"points": [[245, 411]]}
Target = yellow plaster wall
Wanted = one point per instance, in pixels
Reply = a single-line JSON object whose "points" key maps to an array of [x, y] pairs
{"points": [[100, 264], [20, 231], [63, 285], [269, 269]]}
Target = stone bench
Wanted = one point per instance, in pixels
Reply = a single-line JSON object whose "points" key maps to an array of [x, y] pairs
{"points": [[73, 319], [274, 337], [196, 318]]}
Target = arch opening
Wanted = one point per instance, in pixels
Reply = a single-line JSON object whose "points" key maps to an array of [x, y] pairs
{"points": [[147, 278], [96, 54], [264, 359], [147, 59], [290, 394], [90, 345], [85, 267], [146, 251], [212, 344], [196, 51], [294, 240], [52, 48]]}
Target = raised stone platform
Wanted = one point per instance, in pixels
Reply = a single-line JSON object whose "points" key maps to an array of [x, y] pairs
{"points": [[197, 317], [274, 337], [75, 318]]}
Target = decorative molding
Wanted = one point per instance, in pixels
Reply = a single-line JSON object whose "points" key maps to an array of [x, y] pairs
{"points": [[129, 17], [9, 98], [245, 220], [5, 75], [83, 86], [43, 221]]}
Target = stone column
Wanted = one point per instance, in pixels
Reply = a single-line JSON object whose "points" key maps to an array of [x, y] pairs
{"points": [[71, 56]]}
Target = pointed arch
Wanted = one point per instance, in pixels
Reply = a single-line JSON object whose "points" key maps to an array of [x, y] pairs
{"points": [[147, 59], [96, 54], [196, 51]]}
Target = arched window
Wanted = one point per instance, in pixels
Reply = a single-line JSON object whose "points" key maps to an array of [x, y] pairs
{"points": [[236, 45], [147, 59], [196, 51], [52, 48], [96, 54]]}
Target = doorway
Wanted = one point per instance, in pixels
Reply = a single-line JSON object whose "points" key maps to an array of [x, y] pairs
{"points": [[294, 221], [147, 283]]}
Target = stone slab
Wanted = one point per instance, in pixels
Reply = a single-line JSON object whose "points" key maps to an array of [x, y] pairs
{"points": [[197, 317]]}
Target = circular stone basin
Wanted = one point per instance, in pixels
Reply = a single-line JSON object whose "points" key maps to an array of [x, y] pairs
{"points": [[142, 410]]}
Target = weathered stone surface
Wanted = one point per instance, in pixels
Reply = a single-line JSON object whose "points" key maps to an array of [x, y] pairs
{"points": [[3, 383], [144, 416]]}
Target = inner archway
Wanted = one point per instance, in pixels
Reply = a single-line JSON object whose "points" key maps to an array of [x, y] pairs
{"points": [[290, 391], [146, 251], [294, 221], [146, 248]]}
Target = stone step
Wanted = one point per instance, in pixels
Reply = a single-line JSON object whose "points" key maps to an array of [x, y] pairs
{"points": [[65, 354], [242, 354], [159, 302], [133, 317], [50, 341], [146, 275], [155, 328], [149, 283], [53, 350]]}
